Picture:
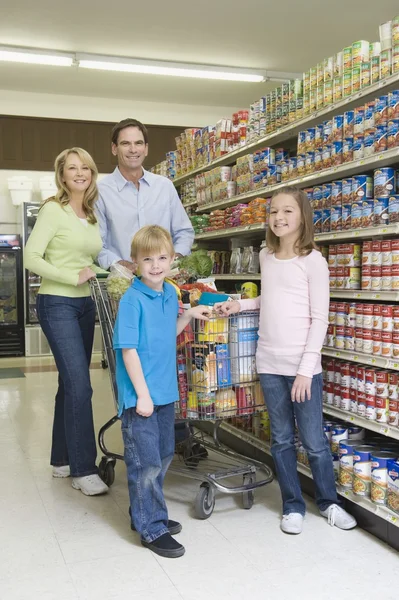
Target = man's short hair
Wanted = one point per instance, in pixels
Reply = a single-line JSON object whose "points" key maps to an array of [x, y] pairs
{"points": [[128, 123], [152, 239]]}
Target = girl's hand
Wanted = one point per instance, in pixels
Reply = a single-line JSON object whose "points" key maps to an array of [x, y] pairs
{"points": [[301, 389], [200, 312], [227, 308], [144, 406], [86, 274]]}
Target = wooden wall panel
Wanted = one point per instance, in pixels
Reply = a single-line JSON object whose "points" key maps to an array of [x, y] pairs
{"points": [[33, 143]]}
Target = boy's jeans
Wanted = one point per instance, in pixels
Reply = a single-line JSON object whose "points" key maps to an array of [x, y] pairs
{"points": [[149, 448], [309, 418], [68, 324]]}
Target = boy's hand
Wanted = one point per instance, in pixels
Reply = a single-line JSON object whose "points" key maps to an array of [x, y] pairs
{"points": [[227, 308], [301, 388], [144, 406], [200, 312]]}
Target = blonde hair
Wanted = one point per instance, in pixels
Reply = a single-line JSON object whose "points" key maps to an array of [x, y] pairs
{"points": [[305, 242], [151, 240], [62, 194]]}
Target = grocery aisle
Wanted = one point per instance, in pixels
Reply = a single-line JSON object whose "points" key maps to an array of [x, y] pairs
{"points": [[64, 545]]}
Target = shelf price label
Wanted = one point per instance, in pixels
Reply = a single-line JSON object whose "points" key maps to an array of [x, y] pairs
{"points": [[392, 519], [384, 430]]}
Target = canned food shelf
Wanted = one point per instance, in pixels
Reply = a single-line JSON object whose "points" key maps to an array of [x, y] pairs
{"points": [[350, 168], [291, 130], [381, 511], [367, 359], [217, 380], [365, 295], [383, 429], [366, 233]]}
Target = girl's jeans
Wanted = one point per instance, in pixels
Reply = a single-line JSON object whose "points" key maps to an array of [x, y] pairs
{"points": [[68, 324], [309, 418]]}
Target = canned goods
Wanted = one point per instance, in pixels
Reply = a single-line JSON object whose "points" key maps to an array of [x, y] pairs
{"points": [[347, 149], [359, 315], [393, 105], [352, 371], [381, 216], [393, 133], [376, 253], [336, 193], [367, 253], [382, 409], [369, 115], [395, 345], [381, 110], [337, 395], [345, 402], [386, 250], [393, 412], [330, 393], [385, 63], [362, 187], [356, 433], [384, 182], [346, 212], [375, 69], [361, 404], [382, 384], [368, 310], [359, 339], [386, 278], [345, 451], [370, 381], [366, 277], [338, 433], [367, 213], [370, 408], [379, 476], [361, 383], [377, 342], [393, 208], [353, 395], [348, 125], [381, 137], [362, 470], [393, 485], [357, 214], [377, 316], [358, 120]]}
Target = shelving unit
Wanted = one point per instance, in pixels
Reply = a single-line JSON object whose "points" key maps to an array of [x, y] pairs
{"points": [[365, 359], [289, 131], [382, 159]]}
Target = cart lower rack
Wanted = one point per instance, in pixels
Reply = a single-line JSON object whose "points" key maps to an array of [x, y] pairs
{"points": [[217, 381]]}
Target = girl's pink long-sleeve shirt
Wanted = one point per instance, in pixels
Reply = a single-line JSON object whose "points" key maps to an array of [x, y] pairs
{"points": [[294, 306]]}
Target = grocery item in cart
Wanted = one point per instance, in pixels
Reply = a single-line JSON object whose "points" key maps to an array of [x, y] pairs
{"points": [[118, 281]]}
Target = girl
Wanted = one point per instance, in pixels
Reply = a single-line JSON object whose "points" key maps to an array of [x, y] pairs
{"points": [[293, 322], [62, 248]]}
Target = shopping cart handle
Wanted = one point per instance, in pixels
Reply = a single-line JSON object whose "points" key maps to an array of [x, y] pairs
{"points": [[102, 275]]}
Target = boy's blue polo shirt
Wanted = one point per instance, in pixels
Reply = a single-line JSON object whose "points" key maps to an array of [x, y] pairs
{"points": [[146, 321]]}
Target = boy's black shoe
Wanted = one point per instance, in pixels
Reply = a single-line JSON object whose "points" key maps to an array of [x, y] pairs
{"points": [[173, 526], [165, 546]]}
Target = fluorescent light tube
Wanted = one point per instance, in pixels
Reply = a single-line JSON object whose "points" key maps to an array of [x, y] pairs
{"points": [[35, 57], [169, 69]]}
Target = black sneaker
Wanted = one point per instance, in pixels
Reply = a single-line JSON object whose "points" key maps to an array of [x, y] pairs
{"points": [[165, 546], [173, 526]]}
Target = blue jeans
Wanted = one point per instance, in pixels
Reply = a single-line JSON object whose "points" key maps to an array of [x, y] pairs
{"points": [[309, 418], [68, 324], [149, 447]]}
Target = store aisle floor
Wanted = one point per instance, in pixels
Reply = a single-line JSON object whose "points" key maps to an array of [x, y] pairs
{"points": [[57, 544]]}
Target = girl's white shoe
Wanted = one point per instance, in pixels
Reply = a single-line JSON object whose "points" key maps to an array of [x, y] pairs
{"points": [[63, 471]]}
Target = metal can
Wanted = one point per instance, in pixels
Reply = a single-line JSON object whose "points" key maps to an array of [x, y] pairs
{"points": [[377, 316], [379, 476], [370, 408], [329, 393], [386, 278], [345, 402], [359, 315], [395, 252], [382, 384], [375, 69], [338, 433], [384, 182], [395, 345], [356, 433], [368, 311], [386, 250], [358, 339], [367, 251], [393, 133], [393, 105], [393, 208], [347, 149], [395, 276], [366, 277], [376, 253], [361, 404], [367, 345], [358, 146], [386, 343], [348, 125], [369, 141], [370, 381], [345, 452], [385, 63], [345, 374], [381, 214], [353, 396], [337, 395], [361, 378], [382, 409], [362, 470], [393, 413], [381, 110], [377, 343]]}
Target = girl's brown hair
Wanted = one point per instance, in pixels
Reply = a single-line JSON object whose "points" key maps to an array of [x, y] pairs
{"points": [[62, 195], [305, 242]]}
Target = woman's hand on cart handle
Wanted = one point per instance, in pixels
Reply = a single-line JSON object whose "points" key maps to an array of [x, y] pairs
{"points": [[200, 312], [144, 406], [301, 389], [227, 308], [86, 274]]}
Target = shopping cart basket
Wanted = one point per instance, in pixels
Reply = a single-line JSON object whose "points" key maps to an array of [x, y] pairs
{"points": [[217, 381]]}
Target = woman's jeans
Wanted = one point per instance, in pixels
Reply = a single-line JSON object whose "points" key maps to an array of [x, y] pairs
{"points": [[68, 324], [149, 447], [309, 418]]}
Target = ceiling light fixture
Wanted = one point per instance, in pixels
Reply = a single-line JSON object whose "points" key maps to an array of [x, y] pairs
{"points": [[35, 57], [171, 69]]}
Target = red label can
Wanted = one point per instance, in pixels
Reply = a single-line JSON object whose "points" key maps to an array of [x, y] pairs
{"points": [[330, 393], [367, 341], [361, 404], [393, 413], [361, 379], [353, 377], [345, 375], [370, 407], [377, 342], [382, 384], [330, 370], [387, 318], [377, 316], [337, 395], [345, 399], [386, 344], [370, 379]]}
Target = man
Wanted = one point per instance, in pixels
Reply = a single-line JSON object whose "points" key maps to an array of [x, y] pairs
{"points": [[131, 197]]}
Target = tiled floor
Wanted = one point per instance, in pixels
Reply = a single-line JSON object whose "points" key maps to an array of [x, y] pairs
{"points": [[57, 544]]}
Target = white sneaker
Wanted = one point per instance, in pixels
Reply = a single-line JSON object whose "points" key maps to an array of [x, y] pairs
{"points": [[339, 517], [292, 523], [63, 471], [90, 485]]}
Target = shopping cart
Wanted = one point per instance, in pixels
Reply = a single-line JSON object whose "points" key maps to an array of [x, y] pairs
{"points": [[217, 381]]}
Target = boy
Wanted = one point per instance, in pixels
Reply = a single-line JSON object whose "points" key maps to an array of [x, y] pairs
{"points": [[145, 343]]}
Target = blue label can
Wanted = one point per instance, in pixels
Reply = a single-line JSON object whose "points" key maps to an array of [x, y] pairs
{"points": [[326, 195], [336, 218], [367, 212], [393, 133], [346, 216], [349, 117], [381, 213], [317, 221], [393, 209], [381, 137], [336, 193], [362, 187], [347, 190], [384, 182]]}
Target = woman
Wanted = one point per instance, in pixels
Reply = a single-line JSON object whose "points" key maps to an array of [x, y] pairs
{"points": [[61, 249]]}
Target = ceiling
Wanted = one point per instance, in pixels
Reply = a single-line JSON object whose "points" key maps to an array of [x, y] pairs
{"points": [[263, 34]]}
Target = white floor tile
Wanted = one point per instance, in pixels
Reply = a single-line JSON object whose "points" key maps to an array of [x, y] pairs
{"points": [[57, 544]]}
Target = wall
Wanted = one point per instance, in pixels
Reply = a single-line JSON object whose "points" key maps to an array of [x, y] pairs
{"points": [[10, 215], [106, 109]]}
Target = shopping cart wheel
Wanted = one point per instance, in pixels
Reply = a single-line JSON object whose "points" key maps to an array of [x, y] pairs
{"points": [[104, 364], [248, 497], [106, 470], [205, 501]]}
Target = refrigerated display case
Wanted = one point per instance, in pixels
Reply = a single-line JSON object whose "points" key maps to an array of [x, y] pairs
{"points": [[32, 281], [12, 338]]}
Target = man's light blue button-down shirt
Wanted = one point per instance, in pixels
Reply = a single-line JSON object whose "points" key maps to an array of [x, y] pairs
{"points": [[122, 210]]}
